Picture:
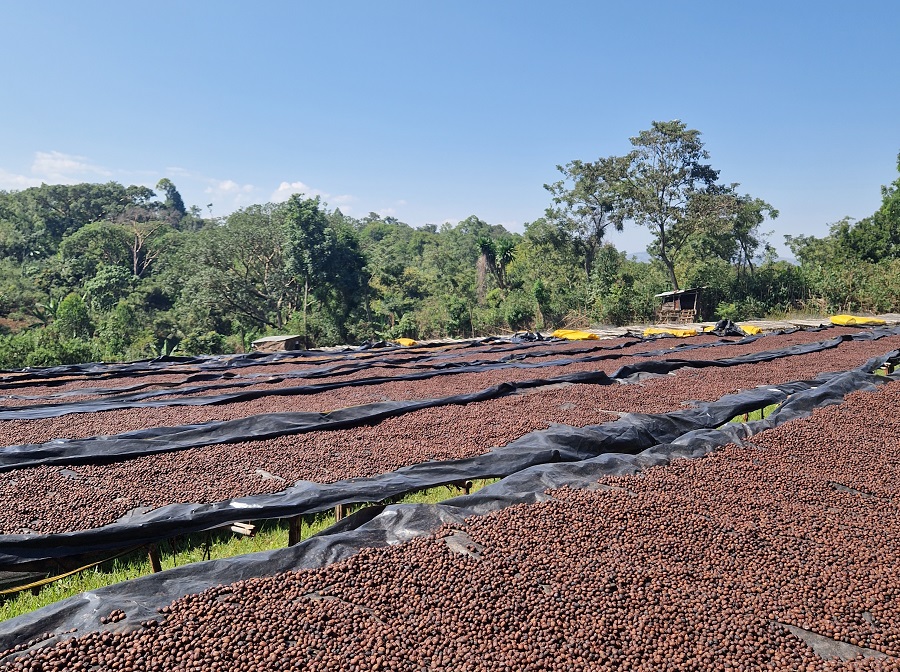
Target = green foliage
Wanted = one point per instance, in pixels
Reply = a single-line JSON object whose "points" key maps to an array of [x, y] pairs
{"points": [[664, 185], [582, 202], [105, 271], [109, 285], [622, 290], [72, 318], [43, 348], [515, 310], [117, 331], [202, 343]]}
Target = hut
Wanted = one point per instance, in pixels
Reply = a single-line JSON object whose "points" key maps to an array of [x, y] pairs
{"points": [[681, 306]]}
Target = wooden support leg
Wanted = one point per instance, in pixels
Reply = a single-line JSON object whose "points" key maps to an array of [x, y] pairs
{"points": [[153, 554], [294, 527]]}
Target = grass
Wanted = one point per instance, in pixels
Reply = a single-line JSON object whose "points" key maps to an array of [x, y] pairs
{"points": [[270, 535], [758, 414]]}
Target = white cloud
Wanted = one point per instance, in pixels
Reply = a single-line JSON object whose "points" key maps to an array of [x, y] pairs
{"points": [[56, 166], [230, 194], [287, 189]]}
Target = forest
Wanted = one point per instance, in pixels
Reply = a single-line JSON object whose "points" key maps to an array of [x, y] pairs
{"points": [[106, 272]]}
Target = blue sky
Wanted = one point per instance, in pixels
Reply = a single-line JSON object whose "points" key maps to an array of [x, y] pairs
{"points": [[431, 112]]}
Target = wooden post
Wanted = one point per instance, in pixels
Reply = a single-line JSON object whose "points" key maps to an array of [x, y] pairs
{"points": [[153, 554], [339, 512], [294, 527]]}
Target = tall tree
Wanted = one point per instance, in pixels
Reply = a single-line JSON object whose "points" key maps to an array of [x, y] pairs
{"points": [[663, 187], [240, 268], [305, 225], [663, 184], [173, 203], [583, 200]]}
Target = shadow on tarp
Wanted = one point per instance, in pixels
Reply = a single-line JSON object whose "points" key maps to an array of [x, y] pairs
{"points": [[382, 526]]}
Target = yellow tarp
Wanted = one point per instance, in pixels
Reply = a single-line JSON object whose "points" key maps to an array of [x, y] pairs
{"points": [[680, 333], [405, 342], [855, 321], [575, 335]]}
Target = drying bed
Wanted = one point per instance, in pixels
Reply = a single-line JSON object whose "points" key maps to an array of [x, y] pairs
{"points": [[61, 498], [84, 496], [278, 374], [778, 554], [117, 420]]}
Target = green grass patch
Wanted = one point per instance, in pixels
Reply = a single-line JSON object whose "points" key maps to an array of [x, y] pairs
{"points": [[758, 414], [213, 545]]}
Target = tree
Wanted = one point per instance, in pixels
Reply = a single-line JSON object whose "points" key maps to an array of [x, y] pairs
{"points": [[663, 184], [750, 214], [240, 269], [72, 318], [95, 245], [582, 201], [668, 189], [496, 255], [305, 224], [174, 203], [43, 216]]}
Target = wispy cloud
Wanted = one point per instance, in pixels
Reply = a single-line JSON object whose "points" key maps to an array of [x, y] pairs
{"points": [[54, 167], [60, 167]]}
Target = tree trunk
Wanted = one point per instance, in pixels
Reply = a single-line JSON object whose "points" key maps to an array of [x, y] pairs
{"points": [[670, 269]]}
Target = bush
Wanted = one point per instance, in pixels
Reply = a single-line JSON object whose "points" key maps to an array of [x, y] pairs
{"points": [[518, 310], [203, 343]]}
